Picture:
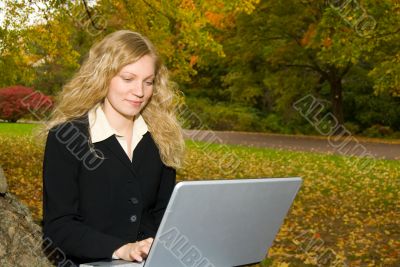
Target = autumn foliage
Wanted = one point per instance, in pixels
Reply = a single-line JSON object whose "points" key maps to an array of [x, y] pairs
{"points": [[19, 101], [343, 215]]}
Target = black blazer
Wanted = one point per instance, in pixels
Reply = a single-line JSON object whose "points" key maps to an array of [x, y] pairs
{"points": [[92, 205]]}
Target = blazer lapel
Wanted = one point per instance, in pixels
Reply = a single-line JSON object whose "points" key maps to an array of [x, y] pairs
{"points": [[114, 146], [139, 151]]}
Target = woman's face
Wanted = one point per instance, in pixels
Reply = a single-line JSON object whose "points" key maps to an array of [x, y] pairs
{"points": [[132, 87]]}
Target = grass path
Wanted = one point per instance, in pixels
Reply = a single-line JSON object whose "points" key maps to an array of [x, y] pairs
{"points": [[346, 145]]}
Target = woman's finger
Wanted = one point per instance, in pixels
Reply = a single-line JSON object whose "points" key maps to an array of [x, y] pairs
{"points": [[144, 248], [149, 240], [135, 255]]}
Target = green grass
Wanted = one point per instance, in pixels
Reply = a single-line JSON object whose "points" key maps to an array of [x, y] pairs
{"points": [[351, 212], [17, 128]]}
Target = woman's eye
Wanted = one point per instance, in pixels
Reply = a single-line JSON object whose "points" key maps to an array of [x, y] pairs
{"points": [[126, 78], [149, 83]]}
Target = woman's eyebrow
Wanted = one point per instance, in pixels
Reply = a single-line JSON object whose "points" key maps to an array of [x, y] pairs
{"points": [[150, 76], [127, 72]]}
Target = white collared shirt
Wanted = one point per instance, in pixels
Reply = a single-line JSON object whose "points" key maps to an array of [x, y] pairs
{"points": [[100, 129]]}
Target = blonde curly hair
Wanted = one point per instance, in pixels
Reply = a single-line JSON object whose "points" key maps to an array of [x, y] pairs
{"points": [[90, 84]]}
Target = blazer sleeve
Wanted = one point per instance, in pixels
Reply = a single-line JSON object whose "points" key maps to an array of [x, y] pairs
{"points": [[62, 223], [167, 184]]}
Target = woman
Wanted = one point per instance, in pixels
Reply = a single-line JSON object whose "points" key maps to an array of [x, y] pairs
{"points": [[111, 153]]}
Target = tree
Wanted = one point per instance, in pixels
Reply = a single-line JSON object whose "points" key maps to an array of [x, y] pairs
{"points": [[63, 31], [13, 65], [36, 47], [291, 48], [386, 71], [182, 30]]}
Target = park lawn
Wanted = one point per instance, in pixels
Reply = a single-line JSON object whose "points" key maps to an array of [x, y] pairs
{"points": [[343, 214], [347, 211], [17, 128]]}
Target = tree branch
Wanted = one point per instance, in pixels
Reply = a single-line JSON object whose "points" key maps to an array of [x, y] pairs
{"points": [[158, 11], [315, 65], [90, 16], [171, 19]]}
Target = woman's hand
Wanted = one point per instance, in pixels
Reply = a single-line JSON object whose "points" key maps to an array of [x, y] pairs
{"points": [[135, 251]]}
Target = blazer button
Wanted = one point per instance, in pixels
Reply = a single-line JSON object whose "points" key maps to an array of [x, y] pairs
{"points": [[134, 200], [133, 218]]}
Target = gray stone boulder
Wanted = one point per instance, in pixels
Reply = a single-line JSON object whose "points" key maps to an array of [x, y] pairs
{"points": [[20, 237], [3, 182]]}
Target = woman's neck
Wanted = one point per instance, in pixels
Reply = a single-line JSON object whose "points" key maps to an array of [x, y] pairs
{"points": [[122, 124]]}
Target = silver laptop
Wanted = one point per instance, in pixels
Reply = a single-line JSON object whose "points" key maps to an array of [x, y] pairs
{"points": [[218, 223]]}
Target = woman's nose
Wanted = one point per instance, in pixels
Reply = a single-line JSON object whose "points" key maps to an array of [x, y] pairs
{"points": [[137, 89]]}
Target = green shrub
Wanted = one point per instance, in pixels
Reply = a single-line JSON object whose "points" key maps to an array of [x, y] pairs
{"points": [[273, 123], [19, 101], [202, 113], [352, 127], [378, 131]]}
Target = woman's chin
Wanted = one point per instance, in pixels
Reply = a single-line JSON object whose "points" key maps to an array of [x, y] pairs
{"points": [[130, 113]]}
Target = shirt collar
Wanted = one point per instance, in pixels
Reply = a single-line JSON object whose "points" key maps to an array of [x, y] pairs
{"points": [[100, 128]]}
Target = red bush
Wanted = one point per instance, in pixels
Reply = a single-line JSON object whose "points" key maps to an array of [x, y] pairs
{"points": [[18, 101]]}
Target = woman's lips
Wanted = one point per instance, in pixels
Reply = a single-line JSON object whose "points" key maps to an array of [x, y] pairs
{"points": [[135, 103]]}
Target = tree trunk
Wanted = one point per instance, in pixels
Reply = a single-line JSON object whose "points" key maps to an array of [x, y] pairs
{"points": [[337, 99]]}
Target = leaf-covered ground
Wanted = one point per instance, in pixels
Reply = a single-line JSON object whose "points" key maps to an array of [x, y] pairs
{"points": [[344, 215]]}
